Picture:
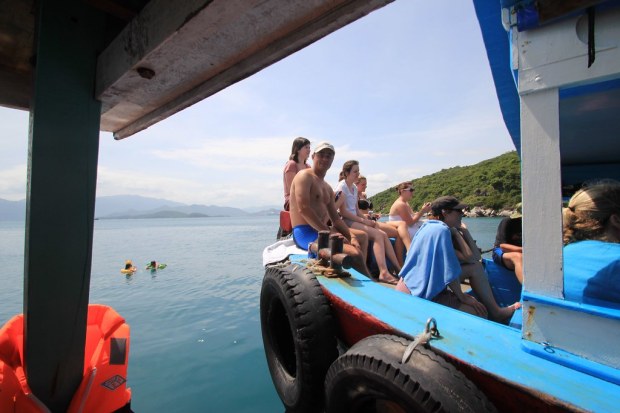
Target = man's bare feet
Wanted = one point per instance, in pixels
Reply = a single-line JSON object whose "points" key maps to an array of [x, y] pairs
{"points": [[505, 313]]}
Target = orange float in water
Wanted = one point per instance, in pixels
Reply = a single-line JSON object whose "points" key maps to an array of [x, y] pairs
{"points": [[103, 387]]}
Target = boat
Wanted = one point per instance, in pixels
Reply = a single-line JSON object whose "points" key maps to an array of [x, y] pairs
{"points": [[84, 67], [337, 341]]}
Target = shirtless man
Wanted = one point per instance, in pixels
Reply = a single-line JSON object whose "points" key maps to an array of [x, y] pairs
{"points": [[312, 205]]}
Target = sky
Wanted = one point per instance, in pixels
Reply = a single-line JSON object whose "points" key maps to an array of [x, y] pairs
{"points": [[406, 91]]}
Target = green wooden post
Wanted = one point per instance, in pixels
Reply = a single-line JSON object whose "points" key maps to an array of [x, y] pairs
{"points": [[62, 175]]}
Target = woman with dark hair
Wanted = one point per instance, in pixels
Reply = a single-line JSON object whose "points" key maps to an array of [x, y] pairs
{"points": [[346, 202], [592, 245], [297, 161]]}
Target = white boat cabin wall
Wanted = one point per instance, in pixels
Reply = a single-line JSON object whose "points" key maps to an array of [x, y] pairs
{"points": [[570, 133]]}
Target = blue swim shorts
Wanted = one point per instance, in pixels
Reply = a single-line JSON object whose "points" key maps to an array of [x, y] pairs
{"points": [[304, 235]]}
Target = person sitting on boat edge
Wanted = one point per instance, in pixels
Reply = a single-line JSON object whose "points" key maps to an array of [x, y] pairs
{"points": [[349, 211], [432, 270], [363, 203], [312, 205], [592, 245], [508, 247], [297, 161], [450, 210], [396, 230], [401, 210]]}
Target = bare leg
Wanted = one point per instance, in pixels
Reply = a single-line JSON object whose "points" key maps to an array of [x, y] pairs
{"points": [[399, 246], [378, 247], [389, 251], [359, 263], [399, 249], [403, 231], [362, 240], [476, 254], [480, 284]]}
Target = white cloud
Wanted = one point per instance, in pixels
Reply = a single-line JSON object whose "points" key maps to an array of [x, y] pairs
{"points": [[392, 90]]}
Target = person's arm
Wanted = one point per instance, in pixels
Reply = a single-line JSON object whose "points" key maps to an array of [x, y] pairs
{"points": [[478, 307], [423, 210], [412, 218], [337, 222], [305, 206], [510, 248], [404, 214], [289, 175], [463, 252], [473, 247]]}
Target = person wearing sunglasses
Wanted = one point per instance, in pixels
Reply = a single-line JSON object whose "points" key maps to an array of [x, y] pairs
{"points": [[441, 257], [401, 210], [347, 206], [397, 230]]}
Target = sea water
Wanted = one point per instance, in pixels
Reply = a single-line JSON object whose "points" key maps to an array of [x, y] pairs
{"points": [[195, 326]]}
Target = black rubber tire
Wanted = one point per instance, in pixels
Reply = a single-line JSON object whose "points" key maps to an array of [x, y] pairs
{"points": [[370, 378], [298, 335]]}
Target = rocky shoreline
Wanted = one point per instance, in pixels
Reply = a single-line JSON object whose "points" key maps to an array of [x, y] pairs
{"points": [[477, 212]]}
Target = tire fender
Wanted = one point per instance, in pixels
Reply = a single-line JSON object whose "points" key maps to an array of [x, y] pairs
{"points": [[298, 336], [370, 377]]}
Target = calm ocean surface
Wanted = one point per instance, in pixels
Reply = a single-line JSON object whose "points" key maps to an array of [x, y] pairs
{"points": [[195, 326]]}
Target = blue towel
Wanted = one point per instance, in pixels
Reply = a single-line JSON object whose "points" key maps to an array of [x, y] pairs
{"points": [[431, 263]]}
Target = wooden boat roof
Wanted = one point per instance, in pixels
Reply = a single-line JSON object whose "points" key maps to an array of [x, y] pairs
{"points": [[159, 57]]}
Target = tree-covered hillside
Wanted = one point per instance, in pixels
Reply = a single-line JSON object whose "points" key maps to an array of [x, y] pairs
{"points": [[494, 183]]}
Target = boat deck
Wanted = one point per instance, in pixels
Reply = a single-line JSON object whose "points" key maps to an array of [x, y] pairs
{"points": [[493, 348]]}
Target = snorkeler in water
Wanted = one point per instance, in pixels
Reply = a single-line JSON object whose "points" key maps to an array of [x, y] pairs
{"points": [[154, 266]]}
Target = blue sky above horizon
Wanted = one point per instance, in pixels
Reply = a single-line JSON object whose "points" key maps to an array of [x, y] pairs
{"points": [[406, 90]]}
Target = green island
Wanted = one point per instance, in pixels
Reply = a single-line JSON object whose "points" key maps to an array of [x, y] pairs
{"points": [[494, 184]]}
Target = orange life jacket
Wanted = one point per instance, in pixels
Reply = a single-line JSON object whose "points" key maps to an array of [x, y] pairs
{"points": [[103, 388]]}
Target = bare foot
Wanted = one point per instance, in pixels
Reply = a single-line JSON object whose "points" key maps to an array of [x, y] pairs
{"points": [[505, 313], [387, 278]]}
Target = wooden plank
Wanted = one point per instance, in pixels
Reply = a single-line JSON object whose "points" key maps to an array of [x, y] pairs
{"points": [[198, 47], [62, 175]]}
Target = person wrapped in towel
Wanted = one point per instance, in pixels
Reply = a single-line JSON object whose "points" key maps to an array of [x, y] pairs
{"points": [[441, 251], [432, 270]]}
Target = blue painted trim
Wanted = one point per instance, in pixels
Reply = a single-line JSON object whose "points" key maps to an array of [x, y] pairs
{"points": [[491, 347], [589, 89], [527, 17], [604, 312], [572, 361]]}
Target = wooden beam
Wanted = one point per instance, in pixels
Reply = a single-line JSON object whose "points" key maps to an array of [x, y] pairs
{"points": [[62, 175], [195, 48]]}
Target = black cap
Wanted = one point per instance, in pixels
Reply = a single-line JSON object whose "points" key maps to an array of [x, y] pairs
{"points": [[445, 202]]}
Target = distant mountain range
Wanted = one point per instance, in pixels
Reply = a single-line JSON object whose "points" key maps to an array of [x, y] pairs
{"points": [[12, 210], [138, 207]]}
